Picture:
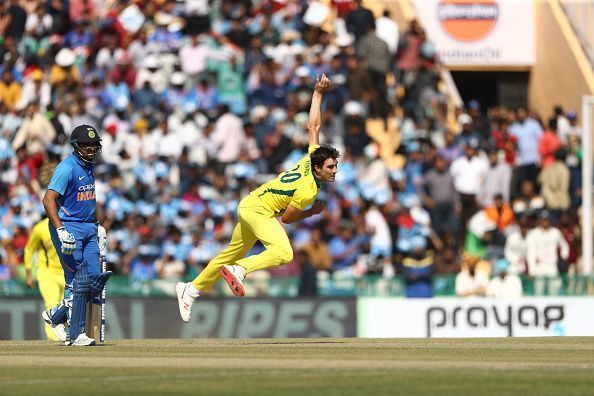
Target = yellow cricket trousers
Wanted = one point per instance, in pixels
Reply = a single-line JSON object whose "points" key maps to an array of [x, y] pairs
{"points": [[254, 223], [51, 286]]}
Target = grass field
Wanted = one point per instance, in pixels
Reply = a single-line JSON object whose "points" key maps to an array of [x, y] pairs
{"points": [[508, 366]]}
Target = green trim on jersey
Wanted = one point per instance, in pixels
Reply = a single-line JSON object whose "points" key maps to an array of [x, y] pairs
{"points": [[288, 193]]}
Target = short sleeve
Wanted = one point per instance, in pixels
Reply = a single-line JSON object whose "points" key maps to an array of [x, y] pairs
{"points": [[302, 199], [313, 148], [60, 178]]}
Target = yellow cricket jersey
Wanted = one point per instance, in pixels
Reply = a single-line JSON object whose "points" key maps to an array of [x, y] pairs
{"points": [[297, 187], [40, 241]]}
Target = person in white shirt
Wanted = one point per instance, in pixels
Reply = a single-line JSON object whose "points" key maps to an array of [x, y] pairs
{"points": [[470, 282], [109, 54], [153, 73], [35, 89], [169, 143], [381, 239], [504, 284], [544, 246], [468, 172], [227, 139], [387, 29], [516, 248]]}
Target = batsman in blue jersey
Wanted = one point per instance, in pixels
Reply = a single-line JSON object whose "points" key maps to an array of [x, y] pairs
{"points": [[70, 206]]}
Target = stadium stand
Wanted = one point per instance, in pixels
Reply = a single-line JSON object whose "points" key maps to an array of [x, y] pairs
{"points": [[199, 101]]}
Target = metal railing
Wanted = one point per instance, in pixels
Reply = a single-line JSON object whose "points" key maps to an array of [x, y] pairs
{"points": [[581, 17]]}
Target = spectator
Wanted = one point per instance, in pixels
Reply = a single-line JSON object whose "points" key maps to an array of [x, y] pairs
{"points": [[387, 30], [169, 268], [408, 57], [451, 149], [37, 28], [467, 134], [344, 249], [549, 144], [504, 284], [317, 251], [377, 226], [227, 139], [36, 133], [555, 185], [142, 267], [376, 54], [358, 79], [502, 215], [308, 283], [471, 282], [441, 199], [10, 90], [497, 180], [516, 248], [17, 18], [153, 74], [418, 270], [447, 261], [124, 70], [528, 132], [545, 247], [359, 20], [571, 232], [479, 123], [356, 137], [83, 9], [528, 202], [504, 141], [468, 173], [35, 89]]}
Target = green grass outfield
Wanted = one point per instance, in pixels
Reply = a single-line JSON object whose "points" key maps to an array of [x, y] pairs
{"points": [[505, 366]]}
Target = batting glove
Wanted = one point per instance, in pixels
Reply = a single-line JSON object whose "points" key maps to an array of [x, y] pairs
{"points": [[66, 240], [101, 239]]}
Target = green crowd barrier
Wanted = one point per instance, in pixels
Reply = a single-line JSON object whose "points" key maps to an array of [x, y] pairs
{"points": [[327, 286]]}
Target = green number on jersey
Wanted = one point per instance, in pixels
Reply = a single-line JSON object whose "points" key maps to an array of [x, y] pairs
{"points": [[291, 176]]}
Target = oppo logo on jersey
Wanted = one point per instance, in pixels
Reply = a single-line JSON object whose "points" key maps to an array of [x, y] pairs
{"points": [[86, 193], [86, 187]]}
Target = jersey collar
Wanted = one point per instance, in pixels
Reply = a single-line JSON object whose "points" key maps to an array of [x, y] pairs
{"points": [[318, 182], [81, 162]]}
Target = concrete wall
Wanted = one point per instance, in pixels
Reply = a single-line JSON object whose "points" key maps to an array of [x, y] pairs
{"points": [[401, 10], [562, 74]]}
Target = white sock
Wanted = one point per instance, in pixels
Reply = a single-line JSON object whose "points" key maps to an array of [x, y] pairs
{"points": [[192, 291]]}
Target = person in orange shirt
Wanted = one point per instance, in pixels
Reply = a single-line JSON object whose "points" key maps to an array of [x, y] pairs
{"points": [[500, 213], [549, 144], [10, 90]]}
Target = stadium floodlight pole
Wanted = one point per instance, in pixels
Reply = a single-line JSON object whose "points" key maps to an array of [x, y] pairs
{"points": [[587, 163]]}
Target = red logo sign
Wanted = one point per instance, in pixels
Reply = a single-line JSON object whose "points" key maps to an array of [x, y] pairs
{"points": [[467, 20]]}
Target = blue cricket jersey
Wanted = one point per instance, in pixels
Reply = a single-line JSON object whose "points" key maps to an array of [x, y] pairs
{"points": [[74, 181]]}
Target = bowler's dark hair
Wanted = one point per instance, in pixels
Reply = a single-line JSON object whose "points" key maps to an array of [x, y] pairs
{"points": [[321, 154]]}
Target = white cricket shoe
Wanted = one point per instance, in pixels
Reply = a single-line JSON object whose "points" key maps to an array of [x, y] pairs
{"points": [[59, 329], [81, 340], [234, 276], [184, 300]]}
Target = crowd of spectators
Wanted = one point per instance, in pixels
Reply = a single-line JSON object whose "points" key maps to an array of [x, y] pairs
{"points": [[200, 101]]}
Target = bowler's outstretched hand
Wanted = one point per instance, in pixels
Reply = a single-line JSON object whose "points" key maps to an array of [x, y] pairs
{"points": [[322, 83]]}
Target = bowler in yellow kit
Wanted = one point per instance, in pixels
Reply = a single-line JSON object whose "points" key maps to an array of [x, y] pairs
{"points": [[50, 275], [286, 197]]}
